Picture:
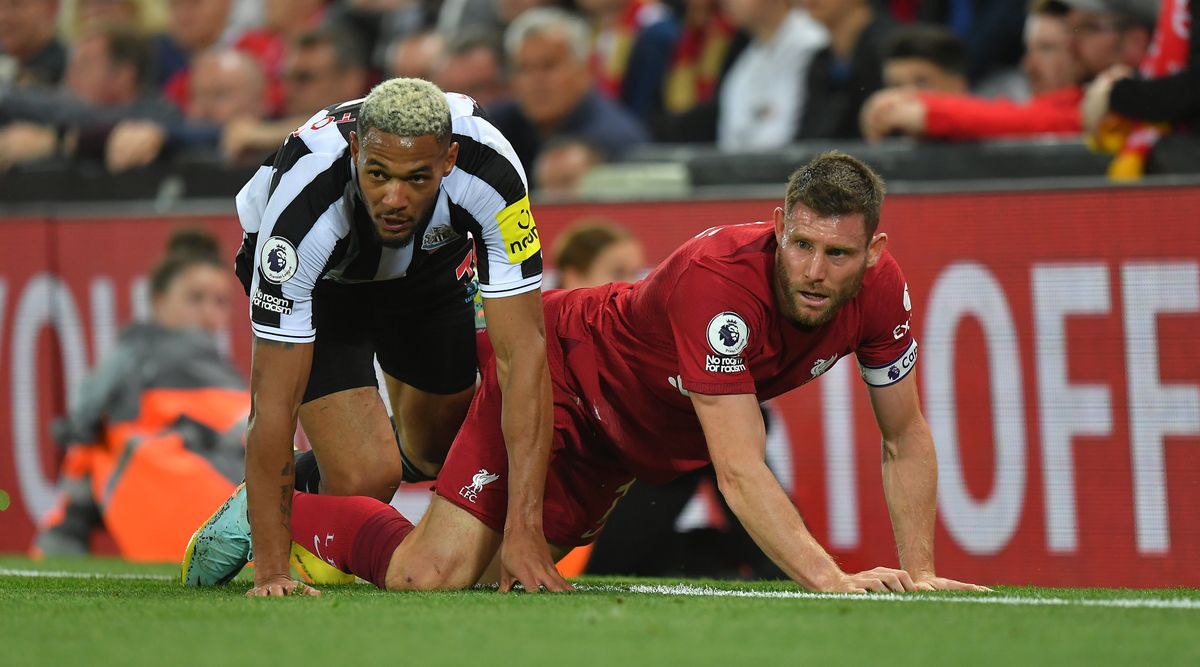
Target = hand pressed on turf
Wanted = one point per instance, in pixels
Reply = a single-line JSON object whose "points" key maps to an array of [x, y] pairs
{"points": [[525, 557], [930, 582], [878, 580], [279, 586]]}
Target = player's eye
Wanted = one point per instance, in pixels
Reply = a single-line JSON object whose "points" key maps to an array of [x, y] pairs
{"points": [[837, 252], [376, 174]]}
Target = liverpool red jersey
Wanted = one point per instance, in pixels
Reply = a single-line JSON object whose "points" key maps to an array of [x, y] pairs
{"points": [[706, 321]]}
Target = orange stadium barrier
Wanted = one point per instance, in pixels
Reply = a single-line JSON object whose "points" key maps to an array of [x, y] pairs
{"points": [[1058, 367]]}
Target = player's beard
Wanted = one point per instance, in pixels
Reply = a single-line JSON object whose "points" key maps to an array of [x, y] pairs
{"points": [[397, 243], [787, 295]]}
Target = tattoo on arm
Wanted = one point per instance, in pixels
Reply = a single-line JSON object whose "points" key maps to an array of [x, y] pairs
{"points": [[285, 504]]}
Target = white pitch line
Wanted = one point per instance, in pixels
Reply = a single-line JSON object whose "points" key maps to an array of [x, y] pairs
{"points": [[686, 590], [704, 591], [65, 574]]}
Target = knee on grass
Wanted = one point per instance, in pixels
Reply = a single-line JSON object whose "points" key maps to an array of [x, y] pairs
{"points": [[438, 573]]}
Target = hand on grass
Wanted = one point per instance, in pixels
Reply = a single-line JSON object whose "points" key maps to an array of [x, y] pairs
{"points": [[878, 580], [934, 583], [525, 558], [278, 586]]}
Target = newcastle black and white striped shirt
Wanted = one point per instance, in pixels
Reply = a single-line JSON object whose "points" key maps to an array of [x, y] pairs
{"points": [[304, 220]]}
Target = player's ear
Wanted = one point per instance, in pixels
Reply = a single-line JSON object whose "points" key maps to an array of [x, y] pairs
{"points": [[354, 145], [451, 157], [875, 248], [779, 225]]}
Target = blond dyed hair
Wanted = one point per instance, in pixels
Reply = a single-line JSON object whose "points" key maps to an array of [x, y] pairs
{"points": [[406, 108]]}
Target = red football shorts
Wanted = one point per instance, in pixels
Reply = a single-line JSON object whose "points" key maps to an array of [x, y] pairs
{"points": [[585, 479]]}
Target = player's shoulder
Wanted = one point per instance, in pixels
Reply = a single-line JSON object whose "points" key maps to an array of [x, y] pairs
{"points": [[741, 246], [484, 154], [727, 258]]}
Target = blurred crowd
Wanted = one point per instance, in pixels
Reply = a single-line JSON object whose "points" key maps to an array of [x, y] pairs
{"points": [[575, 83]]}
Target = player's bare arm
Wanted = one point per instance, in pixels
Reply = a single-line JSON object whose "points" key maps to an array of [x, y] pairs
{"points": [[278, 374], [736, 436], [517, 329], [910, 481]]}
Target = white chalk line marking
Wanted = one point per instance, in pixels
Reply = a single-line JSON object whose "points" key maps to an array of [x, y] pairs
{"points": [[705, 591], [66, 574], [686, 590]]}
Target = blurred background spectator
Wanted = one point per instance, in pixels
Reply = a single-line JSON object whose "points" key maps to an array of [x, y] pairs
{"points": [[925, 57], [553, 91], [763, 97], [597, 251], [414, 55], [561, 166], [1119, 110], [633, 44], [1068, 42], [1172, 95], [323, 67], [594, 78], [30, 52], [156, 432], [991, 29], [108, 79], [844, 73], [226, 87], [472, 63]]}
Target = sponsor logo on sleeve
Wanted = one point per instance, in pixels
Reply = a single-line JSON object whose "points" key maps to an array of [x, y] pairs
{"points": [[901, 330], [519, 231], [271, 303], [728, 335], [278, 261]]}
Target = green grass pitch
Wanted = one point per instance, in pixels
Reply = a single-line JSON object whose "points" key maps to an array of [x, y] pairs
{"points": [[104, 612]]}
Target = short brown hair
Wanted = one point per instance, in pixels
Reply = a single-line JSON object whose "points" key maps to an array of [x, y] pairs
{"points": [[579, 246], [834, 183]]}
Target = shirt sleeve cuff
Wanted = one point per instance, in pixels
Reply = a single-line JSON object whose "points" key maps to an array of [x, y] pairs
{"points": [[283, 335], [511, 289]]}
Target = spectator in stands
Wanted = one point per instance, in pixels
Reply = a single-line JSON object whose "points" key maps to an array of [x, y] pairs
{"points": [[378, 24], [844, 73], [561, 166], [30, 53], [633, 43], [156, 432], [324, 66], [1111, 32], [195, 26], [762, 98], [473, 64], [926, 57], [107, 81], [991, 30], [285, 21], [226, 86], [547, 50], [1172, 98], [1049, 66], [414, 56], [596, 251], [1119, 107], [148, 18], [700, 56]]}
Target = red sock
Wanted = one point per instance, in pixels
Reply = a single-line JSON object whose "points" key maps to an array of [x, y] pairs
{"points": [[355, 534]]}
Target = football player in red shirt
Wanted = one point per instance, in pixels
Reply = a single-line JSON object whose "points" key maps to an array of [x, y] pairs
{"points": [[660, 377]]}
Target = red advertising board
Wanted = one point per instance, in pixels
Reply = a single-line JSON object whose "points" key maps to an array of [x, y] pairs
{"points": [[1058, 368]]}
